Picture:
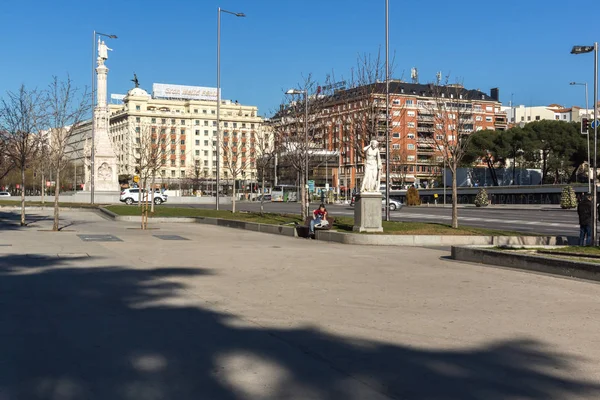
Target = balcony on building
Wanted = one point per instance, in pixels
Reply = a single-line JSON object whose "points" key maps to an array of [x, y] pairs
{"points": [[425, 148], [501, 120], [426, 159], [424, 117]]}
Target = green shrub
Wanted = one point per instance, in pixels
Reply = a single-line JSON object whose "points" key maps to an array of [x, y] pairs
{"points": [[482, 199], [568, 198], [412, 197]]}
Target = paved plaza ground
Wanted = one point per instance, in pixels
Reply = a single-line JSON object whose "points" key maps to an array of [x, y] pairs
{"points": [[231, 314]]}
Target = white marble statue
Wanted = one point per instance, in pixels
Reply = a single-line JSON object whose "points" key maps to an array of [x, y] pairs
{"points": [[372, 175], [103, 50]]}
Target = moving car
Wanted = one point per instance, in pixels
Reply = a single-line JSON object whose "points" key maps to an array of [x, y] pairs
{"points": [[4, 194], [130, 196]]}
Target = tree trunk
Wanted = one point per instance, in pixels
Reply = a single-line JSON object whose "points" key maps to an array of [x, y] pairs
{"points": [[544, 169], [454, 198], [143, 201], [514, 166], [573, 177], [56, 196], [262, 194], [152, 195], [23, 196], [233, 196], [303, 201], [43, 188]]}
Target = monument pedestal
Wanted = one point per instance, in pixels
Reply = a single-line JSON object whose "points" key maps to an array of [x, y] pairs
{"points": [[367, 212]]}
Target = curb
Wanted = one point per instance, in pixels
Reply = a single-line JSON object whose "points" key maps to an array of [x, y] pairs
{"points": [[536, 263], [358, 239], [138, 218], [289, 231], [45, 208], [439, 240]]}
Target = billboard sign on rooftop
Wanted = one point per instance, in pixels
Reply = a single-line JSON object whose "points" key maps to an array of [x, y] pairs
{"points": [[167, 91]]}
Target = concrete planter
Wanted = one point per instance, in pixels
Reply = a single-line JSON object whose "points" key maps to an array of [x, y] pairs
{"points": [[555, 266], [438, 240]]}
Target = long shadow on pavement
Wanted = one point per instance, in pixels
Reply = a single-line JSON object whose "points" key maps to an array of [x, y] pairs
{"points": [[74, 332]]}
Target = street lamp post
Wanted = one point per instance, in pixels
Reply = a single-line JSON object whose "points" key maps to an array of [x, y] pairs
{"points": [[581, 50], [305, 93], [587, 132], [219, 11], [387, 112], [93, 149]]}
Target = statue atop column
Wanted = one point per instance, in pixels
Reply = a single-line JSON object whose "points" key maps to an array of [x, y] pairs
{"points": [[102, 52]]}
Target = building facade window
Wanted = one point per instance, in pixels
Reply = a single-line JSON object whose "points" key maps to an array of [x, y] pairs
{"points": [[410, 146]]}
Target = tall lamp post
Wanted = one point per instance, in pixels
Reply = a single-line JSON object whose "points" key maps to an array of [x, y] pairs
{"points": [[581, 50], [93, 150], [387, 111], [587, 132], [238, 14], [305, 93]]}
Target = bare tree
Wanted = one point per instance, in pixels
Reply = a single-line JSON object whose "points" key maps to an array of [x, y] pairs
{"points": [[450, 110], [235, 158], [194, 174], [66, 107], [297, 128], [6, 163], [263, 144], [21, 118], [148, 153]]}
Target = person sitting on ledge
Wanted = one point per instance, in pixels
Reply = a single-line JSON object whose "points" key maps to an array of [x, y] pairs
{"points": [[319, 217]]}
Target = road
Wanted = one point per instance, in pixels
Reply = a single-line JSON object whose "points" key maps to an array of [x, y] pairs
{"points": [[226, 314], [547, 220]]}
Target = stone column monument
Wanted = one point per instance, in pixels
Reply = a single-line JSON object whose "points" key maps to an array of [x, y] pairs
{"points": [[105, 163], [367, 207]]}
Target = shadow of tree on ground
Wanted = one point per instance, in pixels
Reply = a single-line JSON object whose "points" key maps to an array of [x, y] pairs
{"points": [[71, 331]]}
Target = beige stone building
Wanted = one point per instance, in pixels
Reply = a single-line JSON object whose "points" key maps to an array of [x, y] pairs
{"points": [[182, 121]]}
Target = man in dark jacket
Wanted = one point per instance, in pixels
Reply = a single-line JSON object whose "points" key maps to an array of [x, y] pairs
{"points": [[584, 209]]}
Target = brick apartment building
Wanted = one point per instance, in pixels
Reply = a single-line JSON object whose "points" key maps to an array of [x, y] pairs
{"points": [[345, 121]]}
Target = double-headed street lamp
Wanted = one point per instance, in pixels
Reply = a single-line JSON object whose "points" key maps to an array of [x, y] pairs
{"points": [[581, 50], [238, 14], [305, 93], [93, 150], [587, 132]]}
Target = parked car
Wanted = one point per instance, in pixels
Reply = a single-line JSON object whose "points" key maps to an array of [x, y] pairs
{"points": [[4, 194], [266, 196], [130, 196], [394, 204]]}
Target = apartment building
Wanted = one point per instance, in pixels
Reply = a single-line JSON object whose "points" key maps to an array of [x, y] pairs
{"points": [[523, 114], [345, 121]]}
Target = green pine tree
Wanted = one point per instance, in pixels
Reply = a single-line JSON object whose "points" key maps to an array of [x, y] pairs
{"points": [[482, 199], [568, 199]]}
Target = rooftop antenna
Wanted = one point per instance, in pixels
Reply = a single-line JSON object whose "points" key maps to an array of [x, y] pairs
{"points": [[414, 75], [438, 77]]}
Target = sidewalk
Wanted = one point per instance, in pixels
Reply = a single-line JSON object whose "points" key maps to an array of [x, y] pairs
{"points": [[205, 312]]}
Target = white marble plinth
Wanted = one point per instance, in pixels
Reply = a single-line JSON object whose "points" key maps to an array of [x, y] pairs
{"points": [[367, 212]]}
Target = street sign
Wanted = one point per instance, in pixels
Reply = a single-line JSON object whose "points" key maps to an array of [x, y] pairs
{"points": [[594, 124], [311, 185], [136, 179]]}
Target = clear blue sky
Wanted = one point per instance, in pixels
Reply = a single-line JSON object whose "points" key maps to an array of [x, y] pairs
{"points": [[522, 47]]}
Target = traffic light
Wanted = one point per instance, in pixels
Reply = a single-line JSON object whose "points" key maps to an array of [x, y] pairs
{"points": [[585, 123]]}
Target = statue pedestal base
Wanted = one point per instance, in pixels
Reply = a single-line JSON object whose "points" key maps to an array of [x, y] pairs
{"points": [[367, 212]]}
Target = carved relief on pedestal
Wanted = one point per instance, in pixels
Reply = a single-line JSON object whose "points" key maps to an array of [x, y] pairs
{"points": [[105, 172]]}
